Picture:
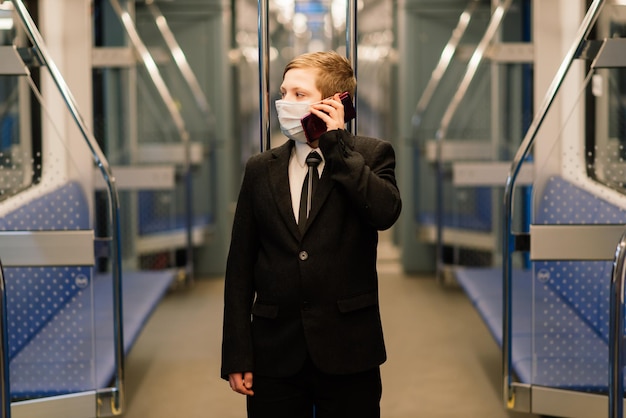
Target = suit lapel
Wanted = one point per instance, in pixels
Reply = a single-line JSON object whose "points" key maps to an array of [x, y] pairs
{"points": [[279, 184], [324, 188]]}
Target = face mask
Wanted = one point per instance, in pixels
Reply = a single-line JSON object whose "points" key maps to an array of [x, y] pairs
{"points": [[289, 116]]}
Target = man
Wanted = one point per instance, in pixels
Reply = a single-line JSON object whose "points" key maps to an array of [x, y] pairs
{"points": [[302, 328]]}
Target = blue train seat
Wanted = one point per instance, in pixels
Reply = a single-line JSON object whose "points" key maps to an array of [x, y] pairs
{"points": [[473, 214], [476, 216], [560, 309], [157, 213], [60, 319]]}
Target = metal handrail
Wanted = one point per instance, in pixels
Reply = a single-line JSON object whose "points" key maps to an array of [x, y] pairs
{"points": [[114, 206], [616, 332], [175, 114], [180, 59], [522, 152], [492, 29], [472, 67], [444, 61]]}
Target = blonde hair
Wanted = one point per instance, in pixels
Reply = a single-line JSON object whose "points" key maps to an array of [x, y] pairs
{"points": [[334, 72]]}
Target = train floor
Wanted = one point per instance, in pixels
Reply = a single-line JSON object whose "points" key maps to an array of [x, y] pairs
{"points": [[442, 361]]}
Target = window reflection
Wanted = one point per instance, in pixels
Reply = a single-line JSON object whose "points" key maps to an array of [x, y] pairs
{"points": [[19, 159]]}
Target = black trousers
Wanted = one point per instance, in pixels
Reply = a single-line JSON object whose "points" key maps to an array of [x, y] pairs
{"points": [[313, 394]]}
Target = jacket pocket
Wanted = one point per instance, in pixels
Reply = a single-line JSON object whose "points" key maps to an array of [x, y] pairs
{"points": [[358, 302], [265, 311]]}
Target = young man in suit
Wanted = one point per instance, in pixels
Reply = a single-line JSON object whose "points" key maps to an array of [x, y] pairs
{"points": [[302, 329]]}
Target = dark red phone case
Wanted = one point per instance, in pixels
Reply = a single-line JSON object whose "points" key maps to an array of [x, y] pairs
{"points": [[314, 127]]}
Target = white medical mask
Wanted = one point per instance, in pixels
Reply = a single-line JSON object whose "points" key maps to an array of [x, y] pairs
{"points": [[289, 116]]}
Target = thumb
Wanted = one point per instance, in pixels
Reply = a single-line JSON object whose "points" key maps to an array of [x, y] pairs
{"points": [[247, 380]]}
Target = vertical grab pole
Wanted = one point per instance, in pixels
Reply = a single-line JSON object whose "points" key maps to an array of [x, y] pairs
{"points": [[264, 74], [616, 332], [5, 390], [351, 51], [508, 241]]}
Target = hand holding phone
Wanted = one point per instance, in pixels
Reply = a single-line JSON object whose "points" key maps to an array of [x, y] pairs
{"points": [[314, 127]]}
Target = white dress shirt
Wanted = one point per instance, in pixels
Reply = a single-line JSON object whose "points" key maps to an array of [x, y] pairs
{"points": [[297, 173]]}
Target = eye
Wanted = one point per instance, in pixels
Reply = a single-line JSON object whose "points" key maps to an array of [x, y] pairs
{"points": [[282, 94]]}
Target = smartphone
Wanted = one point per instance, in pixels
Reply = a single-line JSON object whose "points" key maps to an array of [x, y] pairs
{"points": [[314, 127]]}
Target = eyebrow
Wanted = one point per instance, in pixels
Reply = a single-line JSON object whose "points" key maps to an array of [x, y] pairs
{"points": [[296, 88]]}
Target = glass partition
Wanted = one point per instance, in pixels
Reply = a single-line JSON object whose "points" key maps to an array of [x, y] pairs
{"points": [[560, 325], [605, 147], [20, 134], [46, 170], [570, 305]]}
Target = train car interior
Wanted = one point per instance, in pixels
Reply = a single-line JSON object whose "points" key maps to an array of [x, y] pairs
{"points": [[125, 126]]}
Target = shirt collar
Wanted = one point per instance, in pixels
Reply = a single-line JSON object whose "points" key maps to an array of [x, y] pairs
{"points": [[302, 150]]}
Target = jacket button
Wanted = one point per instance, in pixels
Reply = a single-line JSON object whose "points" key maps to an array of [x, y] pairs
{"points": [[303, 255]]}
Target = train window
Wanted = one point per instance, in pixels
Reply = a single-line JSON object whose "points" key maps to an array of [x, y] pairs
{"points": [[607, 150], [606, 115], [20, 139]]}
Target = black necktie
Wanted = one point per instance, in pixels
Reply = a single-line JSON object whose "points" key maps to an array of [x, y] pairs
{"points": [[308, 188]]}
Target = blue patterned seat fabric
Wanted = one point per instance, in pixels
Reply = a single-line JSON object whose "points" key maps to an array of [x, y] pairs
{"points": [[560, 308], [60, 319]]}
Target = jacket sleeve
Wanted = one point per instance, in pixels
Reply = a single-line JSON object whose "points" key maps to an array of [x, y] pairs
{"points": [[365, 168], [237, 351]]}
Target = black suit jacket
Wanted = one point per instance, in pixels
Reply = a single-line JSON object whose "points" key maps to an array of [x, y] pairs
{"points": [[288, 293]]}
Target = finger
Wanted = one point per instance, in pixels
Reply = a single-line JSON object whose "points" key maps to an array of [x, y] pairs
{"points": [[241, 383], [323, 113], [247, 381], [330, 118], [335, 110], [235, 381], [244, 389], [334, 102], [324, 107]]}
